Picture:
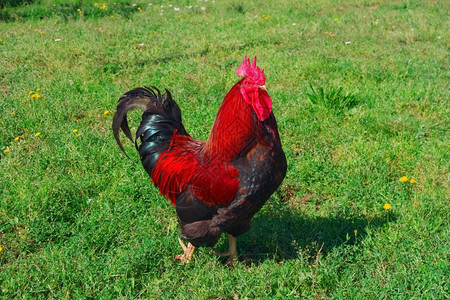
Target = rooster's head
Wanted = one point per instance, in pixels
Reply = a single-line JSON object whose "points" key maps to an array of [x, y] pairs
{"points": [[253, 88]]}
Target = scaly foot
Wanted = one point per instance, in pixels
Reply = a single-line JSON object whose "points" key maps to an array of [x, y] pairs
{"points": [[231, 252], [188, 251]]}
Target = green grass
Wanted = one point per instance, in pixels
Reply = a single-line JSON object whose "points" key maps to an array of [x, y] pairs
{"points": [[333, 99], [80, 220]]}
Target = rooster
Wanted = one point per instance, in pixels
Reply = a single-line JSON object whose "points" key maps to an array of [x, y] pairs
{"points": [[217, 185]]}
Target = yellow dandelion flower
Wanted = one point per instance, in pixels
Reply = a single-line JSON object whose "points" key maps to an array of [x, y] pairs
{"points": [[17, 138], [24, 100], [30, 92], [1, 249], [326, 32], [403, 179], [36, 29], [79, 134], [387, 206], [332, 34], [75, 130], [78, 121], [37, 134], [355, 231], [6, 150], [335, 19], [14, 113], [23, 135], [412, 180], [106, 112], [38, 89]]}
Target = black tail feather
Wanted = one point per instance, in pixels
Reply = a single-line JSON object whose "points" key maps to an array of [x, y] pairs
{"points": [[161, 118], [129, 101]]}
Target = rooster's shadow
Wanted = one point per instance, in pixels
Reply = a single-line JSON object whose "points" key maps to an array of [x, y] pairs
{"points": [[281, 234]]}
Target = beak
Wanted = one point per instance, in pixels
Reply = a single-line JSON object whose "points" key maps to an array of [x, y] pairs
{"points": [[263, 87]]}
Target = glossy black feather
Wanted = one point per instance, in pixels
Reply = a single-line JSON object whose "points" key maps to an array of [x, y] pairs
{"points": [[161, 118]]}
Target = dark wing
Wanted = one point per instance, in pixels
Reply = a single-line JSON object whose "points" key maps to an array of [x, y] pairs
{"points": [[261, 172]]}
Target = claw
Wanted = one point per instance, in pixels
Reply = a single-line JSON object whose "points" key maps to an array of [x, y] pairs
{"points": [[188, 252]]}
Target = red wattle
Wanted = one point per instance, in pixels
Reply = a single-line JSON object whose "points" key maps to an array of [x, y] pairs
{"points": [[262, 105], [260, 101]]}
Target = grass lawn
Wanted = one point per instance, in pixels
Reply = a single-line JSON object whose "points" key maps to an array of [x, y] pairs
{"points": [[360, 91]]}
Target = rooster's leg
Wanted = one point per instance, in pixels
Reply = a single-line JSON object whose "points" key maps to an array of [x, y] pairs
{"points": [[188, 251], [231, 252]]}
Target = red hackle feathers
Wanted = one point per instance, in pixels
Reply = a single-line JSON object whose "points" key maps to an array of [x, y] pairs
{"points": [[251, 70], [182, 168], [233, 130]]}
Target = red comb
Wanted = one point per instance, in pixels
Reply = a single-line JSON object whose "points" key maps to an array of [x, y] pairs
{"points": [[251, 70]]}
